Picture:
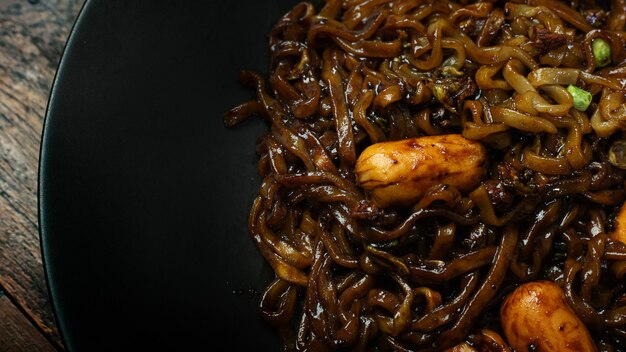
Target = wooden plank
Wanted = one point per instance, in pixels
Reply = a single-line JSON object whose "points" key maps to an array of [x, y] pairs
{"points": [[17, 334], [32, 37]]}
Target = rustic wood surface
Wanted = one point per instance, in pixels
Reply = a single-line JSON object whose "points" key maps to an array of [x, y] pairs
{"points": [[32, 37], [18, 334]]}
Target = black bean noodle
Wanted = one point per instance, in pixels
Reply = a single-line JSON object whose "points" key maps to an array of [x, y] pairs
{"points": [[354, 275]]}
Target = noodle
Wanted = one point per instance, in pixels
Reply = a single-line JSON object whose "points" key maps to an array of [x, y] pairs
{"points": [[351, 274]]}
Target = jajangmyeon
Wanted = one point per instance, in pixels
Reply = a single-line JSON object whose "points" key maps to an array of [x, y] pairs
{"points": [[443, 175]]}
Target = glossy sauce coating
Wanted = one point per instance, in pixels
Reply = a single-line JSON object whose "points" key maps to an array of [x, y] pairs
{"points": [[536, 317], [400, 172]]}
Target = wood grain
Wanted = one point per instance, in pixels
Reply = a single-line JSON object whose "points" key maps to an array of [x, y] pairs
{"points": [[17, 334], [32, 37]]}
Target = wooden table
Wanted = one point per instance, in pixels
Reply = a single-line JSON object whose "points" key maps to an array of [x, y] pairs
{"points": [[32, 36]]}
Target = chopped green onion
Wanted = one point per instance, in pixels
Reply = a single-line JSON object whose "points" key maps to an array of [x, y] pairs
{"points": [[581, 97], [451, 71], [601, 52]]}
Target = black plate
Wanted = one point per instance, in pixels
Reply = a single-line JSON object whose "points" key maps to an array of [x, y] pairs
{"points": [[144, 194]]}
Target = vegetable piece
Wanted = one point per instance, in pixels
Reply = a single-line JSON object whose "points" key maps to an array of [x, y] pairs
{"points": [[617, 154], [601, 52], [536, 317], [399, 173], [581, 97], [619, 231], [464, 347], [485, 341]]}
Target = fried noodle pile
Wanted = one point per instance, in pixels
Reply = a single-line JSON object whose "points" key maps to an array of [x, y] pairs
{"points": [[355, 274]]}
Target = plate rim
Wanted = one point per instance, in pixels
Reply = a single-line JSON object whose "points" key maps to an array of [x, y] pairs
{"points": [[44, 145]]}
